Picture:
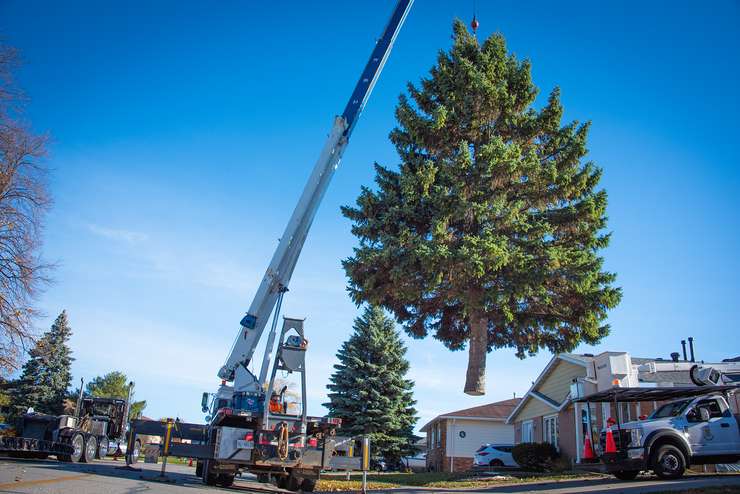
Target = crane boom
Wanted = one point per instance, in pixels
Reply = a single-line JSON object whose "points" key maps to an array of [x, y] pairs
{"points": [[278, 274]]}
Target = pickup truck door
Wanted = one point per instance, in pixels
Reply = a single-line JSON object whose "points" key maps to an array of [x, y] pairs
{"points": [[715, 436]]}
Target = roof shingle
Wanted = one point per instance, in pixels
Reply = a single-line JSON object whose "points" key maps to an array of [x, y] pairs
{"points": [[499, 410]]}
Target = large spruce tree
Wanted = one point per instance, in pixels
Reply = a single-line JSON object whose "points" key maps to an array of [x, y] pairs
{"points": [[47, 373], [369, 390], [489, 231]]}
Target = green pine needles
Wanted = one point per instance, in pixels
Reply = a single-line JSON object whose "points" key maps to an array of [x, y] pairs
{"points": [[47, 374], [369, 390], [490, 230]]}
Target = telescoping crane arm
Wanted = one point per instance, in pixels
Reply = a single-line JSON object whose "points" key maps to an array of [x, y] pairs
{"points": [[278, 273]]}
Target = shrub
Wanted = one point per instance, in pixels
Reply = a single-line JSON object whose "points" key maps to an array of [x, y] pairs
{"points": [[535, 456]]}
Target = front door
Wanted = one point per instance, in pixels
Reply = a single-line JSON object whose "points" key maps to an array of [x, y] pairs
{"points": [[708, 437]]}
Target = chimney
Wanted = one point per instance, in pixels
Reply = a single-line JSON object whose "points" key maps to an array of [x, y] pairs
{"points": [[683, 345], [691, 348], [675, 356]]}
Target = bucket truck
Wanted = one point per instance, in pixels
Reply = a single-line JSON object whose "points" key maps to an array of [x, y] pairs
{"points": [[249, 426]]}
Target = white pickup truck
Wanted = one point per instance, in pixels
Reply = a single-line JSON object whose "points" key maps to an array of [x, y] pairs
{"points": [[698, 428]]}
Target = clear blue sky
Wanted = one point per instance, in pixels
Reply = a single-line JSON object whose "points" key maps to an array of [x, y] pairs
{"points": [[181, 134]]}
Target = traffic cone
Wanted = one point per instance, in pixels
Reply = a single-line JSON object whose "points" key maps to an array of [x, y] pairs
{"points": [[611, 446], [588, 451]]}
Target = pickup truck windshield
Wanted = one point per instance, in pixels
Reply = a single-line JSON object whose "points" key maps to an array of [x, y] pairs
{"points": [[670, 409]]}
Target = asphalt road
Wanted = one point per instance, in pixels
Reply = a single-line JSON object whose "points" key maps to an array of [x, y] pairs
{"points": [[105, 477]]}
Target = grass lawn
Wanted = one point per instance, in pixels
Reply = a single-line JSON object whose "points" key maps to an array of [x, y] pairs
{"points": [[432, 479]]}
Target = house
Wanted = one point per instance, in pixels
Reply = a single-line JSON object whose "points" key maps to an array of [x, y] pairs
{"points": [[453, 438], [547, 413]]}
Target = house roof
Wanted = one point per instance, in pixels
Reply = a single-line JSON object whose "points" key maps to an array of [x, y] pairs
{"points": [[497, 411]]}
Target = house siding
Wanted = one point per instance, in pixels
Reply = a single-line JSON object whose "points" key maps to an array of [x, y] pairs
{"points": [[533, 408], [455, 453], [477, 432], [567, 433], [555, 386]]}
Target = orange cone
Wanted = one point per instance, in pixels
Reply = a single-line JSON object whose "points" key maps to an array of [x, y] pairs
{"points": [[611, 446], [588, 451]]}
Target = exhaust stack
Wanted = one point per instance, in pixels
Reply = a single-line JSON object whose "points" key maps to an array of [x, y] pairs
{"points": [[691, 348]]}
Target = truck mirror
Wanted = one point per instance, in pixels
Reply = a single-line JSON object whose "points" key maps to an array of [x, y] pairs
{"points": [[704, 414], [204, 403]]}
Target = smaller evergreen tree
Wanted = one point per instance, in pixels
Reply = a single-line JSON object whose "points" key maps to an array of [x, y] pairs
{"points": [[47, 374], [115, 385], [369, 390]]}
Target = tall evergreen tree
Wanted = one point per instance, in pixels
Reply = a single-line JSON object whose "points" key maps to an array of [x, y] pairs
{"points": [[369, 390], [47, 374], [489, 232]]}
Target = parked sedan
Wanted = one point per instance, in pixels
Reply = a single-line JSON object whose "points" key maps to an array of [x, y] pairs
{"points": [[495, 455]]}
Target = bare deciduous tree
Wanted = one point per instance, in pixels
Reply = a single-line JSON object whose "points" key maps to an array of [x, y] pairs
{"points": [[24, 200]]}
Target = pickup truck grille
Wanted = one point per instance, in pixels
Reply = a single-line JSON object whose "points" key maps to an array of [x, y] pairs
{"points": [[624, 439]]}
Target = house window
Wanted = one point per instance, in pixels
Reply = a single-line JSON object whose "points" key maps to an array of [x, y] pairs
{"points": [[527, 432], [550, 433]]}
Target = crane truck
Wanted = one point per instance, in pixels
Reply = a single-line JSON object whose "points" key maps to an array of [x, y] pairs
{"points": [[249, 427]]}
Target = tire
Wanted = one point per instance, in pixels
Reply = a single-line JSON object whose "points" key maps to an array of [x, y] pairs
{"points": [[225, 479], [626, 474], [263, 478], [281, 481], [208, 477], [669, 462], [308, 485], [293, 483], [496, 463], [77, 441], [90, 450], [103, 446], [134, 457], [198, 468]]}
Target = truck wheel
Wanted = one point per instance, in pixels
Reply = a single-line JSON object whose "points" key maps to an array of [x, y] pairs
{"points": [[225, 479], [308, 485], [626, 474], [78, 443], [209, 478], [281, 481], [668, 462], [103, 446], [134, 456], [263, 478], [198, 468], [293, 483], [91, 449]]}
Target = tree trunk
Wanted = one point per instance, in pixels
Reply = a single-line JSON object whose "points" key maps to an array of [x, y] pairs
{"points": [[475, 379]]}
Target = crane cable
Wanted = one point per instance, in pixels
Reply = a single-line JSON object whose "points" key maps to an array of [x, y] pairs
{"points": [[283, 438]]}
